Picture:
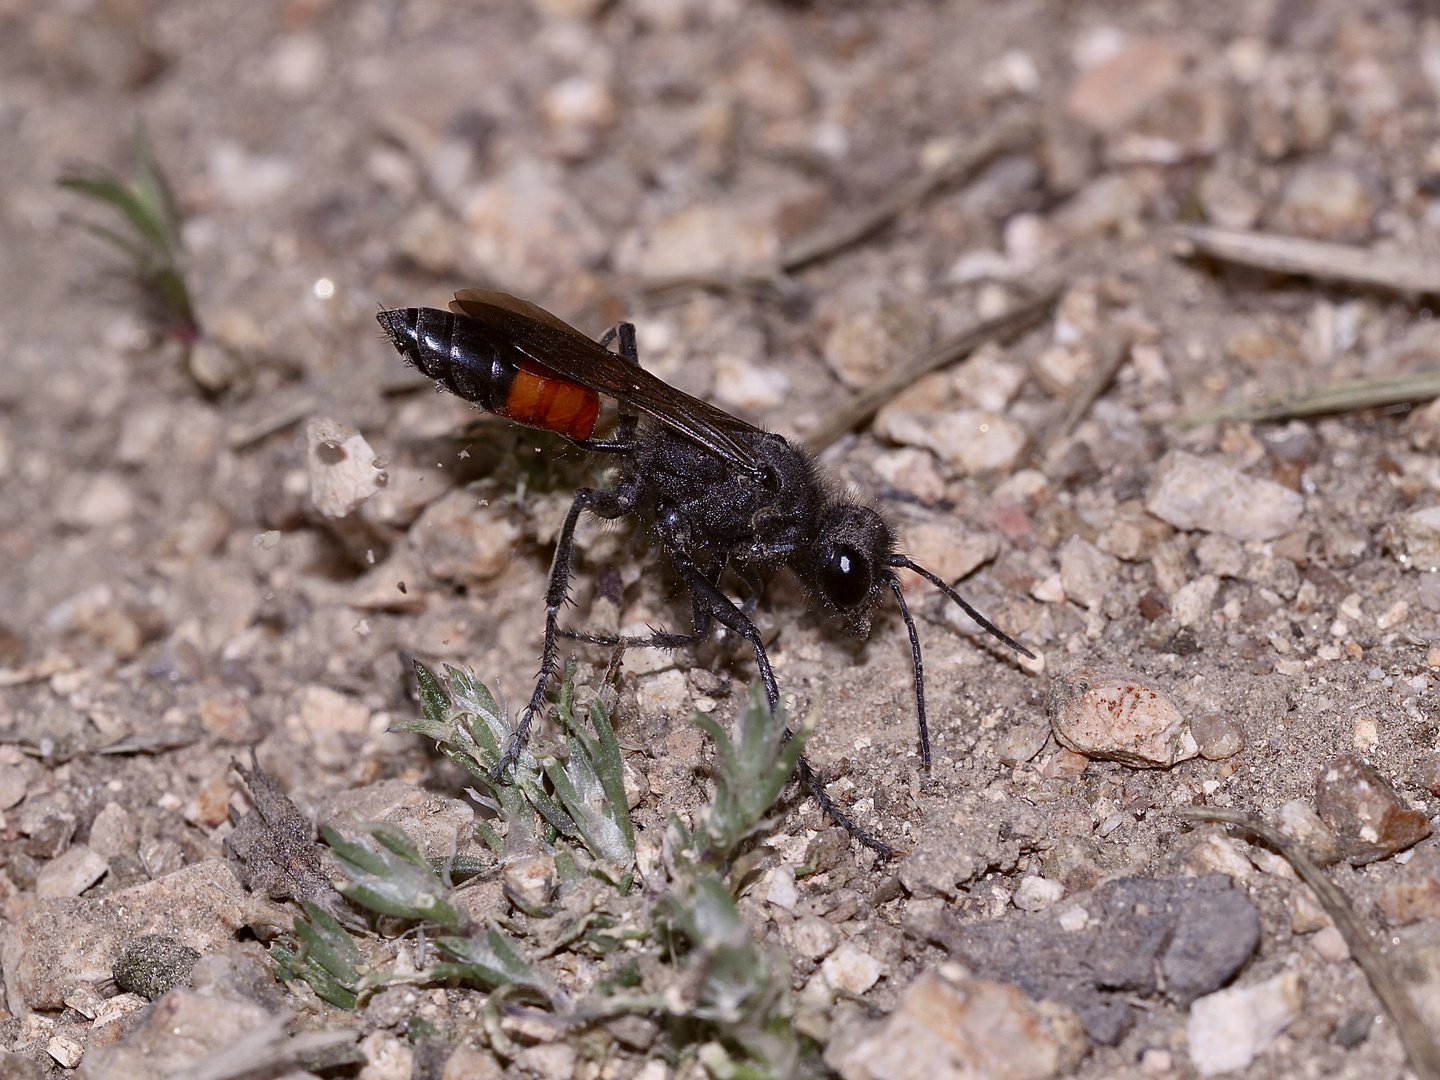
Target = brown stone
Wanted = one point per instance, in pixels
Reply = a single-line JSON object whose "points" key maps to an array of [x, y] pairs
{"points": [[1415, 895], [1365, 813]]}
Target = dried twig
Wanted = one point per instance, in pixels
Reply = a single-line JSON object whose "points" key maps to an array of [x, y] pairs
{"points": [[1110, 355], [868, 402], [1010, 131], [290, 414], [1414, 1035], [1315, 258], [1348, 395]]}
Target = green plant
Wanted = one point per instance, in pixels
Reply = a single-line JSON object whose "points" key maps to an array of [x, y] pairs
{"points": [[150, 233], [728, 1004], [392, 877], [589, 783]]}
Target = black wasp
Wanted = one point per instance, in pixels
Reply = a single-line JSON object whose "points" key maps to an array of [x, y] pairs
{"points": [[720, 494]]}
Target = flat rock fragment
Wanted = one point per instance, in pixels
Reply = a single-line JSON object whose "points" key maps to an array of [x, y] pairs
{"points": [[183, 1028], [1192, 492], [950, 1027], [1365, 813], [343, 470], [1114, 714], [1229, 1029], [61, 943]]}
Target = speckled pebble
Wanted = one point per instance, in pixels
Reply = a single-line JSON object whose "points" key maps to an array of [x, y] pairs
{"points": [[1113, 714]]}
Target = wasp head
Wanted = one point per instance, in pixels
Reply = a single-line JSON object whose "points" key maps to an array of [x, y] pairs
{"points": [[849, 562]]}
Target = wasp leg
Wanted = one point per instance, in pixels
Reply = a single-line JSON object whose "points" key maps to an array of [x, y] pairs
{"points": [[717, 604], [660, 639], [605, 504]]}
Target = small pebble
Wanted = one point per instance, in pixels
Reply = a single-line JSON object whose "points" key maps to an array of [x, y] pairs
{"points": [[324, 709], [1325, 202], [530, 880], [524, 227], [665, 694], [461, 541], [343, 471], [548, 1061], [1021, 743], [1115, 715], [1220, 555], [1298, 819], [1218, 735], [1394, 615], [782, 892], [95, 501], [1037, 893], [961, 1030], [1156, 1062], [1227, 1030], [851, 970], [970, 441], [1087, 573], [1329, 945], [1192, 602], [706, 238], [152, 964], [1413, 896], [1364, 812], [1192, 492], [814, 937], [742, 385], [1415, 538], [66, 1050], [71, 873], [1108, 202]]}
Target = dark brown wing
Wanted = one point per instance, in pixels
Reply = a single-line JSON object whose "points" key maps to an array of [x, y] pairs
{"points": [[550, 341]]}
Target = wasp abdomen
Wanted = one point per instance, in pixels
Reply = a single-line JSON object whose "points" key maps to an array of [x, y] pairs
{"points": [[465, 357]]}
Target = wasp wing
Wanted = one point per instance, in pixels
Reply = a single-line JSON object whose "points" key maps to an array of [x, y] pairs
{"points": [[557, 345]]}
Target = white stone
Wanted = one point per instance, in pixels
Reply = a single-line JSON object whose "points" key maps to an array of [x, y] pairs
{"points": [[66, 1049], [1330, 945], [851, 970], [386, 1057], [742, 385], [1038, 893], [1192, 492], [663, 694], [782, 892], [814, 937], [343, 470], [1192, 602], [1227, 1030], [1087, 572], [968, 440], [71, 873]]}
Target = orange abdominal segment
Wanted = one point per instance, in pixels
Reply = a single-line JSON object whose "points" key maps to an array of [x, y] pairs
{"points": [[540, 398]]}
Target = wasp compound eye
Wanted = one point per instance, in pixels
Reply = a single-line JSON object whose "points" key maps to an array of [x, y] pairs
{"points": [[846, 577]]}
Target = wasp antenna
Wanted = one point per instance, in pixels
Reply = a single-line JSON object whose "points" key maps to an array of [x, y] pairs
{"points": [[985, 624], [919, 671]]}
